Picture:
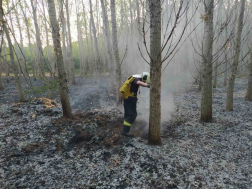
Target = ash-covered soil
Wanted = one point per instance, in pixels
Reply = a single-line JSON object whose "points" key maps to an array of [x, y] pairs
{"points": [[39, 149]]}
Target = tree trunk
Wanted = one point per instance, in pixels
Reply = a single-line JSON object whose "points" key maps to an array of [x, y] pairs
{"points": [[1, 59], [249, 88], [155, 72], [1, 68], [107, 32], [13, 32], [95, 38], [97, 18], [7, 67], [115, 48], [63, 25], [86, 33], [29, 40], [22, 52], [80, 42], [138, 21], [231, 81], [72, 71], [121, 14], [218, 42], [206, 92], [38, 41], [17, 80], [92, 48], [49, 56], [131, 19], [227, 46], [1, 82], [63, 89]]}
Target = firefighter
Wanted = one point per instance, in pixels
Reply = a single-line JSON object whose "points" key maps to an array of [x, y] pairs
{"points": [[129, 91]]}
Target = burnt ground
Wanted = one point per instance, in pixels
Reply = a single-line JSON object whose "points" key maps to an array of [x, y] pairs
{"points": [[40, 149]]}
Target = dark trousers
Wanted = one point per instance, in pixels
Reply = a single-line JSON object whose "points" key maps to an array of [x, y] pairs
{"points": [[130, 112]]}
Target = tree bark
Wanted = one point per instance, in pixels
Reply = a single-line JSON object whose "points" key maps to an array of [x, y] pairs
{"points": [[226, 53], [63, 89], [138, 21], [70, 48], [7, 67], [22, 52], [206, 92], [95, 38], [97, 18], [131, 19], [155, 72], [1, 68], [218, 42], [115, 49], [86, 33], [17, 80], [121, 14], [13, 32], [49, 56], [80, 42], [108, 38], [1, 53], [63, 26], [92, 66], [231, 81], [249, 88], [29, 40], [38, 41]]}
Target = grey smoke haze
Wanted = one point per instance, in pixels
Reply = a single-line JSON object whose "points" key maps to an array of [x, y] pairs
{"points": [[175, 78]]}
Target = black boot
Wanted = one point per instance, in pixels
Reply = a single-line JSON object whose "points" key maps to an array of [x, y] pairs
{"points": [[126, 130]]}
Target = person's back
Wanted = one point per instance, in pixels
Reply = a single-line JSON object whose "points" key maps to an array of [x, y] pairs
{"points": [[130, 101]]}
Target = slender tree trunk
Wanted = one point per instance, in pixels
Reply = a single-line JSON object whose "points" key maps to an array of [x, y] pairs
{"points": [[1, 70], [226, 49], [155, 72], [29, 40], [1, 53], [21, 46], [107, 32], [49, 56], [92, 47], [7, 67], [63, 26], [13, 32], [248, 96], [63, 89], [115, 48], [206, 92], [22, 52], [1, 82], [143, 11], [122, 15], [97, 18], [20, 89], [95, 38], [219, 41], [80, 42], [138, 21], [231, 81], [72, 71], [86, 33], [131, 19], [38, 41]]}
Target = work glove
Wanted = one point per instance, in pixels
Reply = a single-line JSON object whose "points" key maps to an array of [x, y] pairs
{"points": [[148, 85]]}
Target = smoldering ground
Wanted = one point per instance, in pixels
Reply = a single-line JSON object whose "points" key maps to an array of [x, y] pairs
{"points": [[40, 149]]}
